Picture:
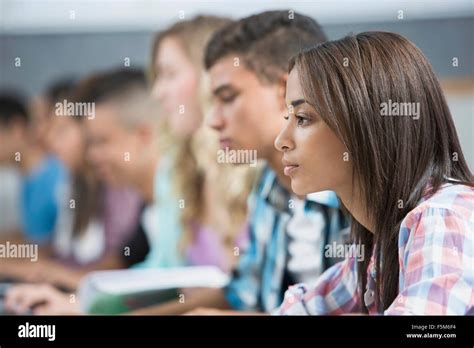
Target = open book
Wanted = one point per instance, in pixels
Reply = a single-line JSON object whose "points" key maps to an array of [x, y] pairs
{"points": [[118, 291]]}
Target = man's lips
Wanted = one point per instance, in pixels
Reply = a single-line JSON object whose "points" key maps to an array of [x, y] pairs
{"points": [[225, 143]]}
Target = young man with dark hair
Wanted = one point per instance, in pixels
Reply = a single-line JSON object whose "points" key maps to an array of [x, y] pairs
{"points": [[41, 173], [247, 63]]}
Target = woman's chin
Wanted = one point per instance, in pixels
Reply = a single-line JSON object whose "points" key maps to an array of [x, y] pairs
{"points": [[303, 189], [299, 189]]}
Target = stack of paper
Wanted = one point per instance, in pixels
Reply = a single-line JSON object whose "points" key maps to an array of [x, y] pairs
{"points": [[118, 291]]}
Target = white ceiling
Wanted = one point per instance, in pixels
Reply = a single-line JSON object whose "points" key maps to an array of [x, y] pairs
{"points": [[42, 16]]}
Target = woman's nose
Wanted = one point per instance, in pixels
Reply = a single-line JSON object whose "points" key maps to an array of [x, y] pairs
{"points": [[283, 141]]}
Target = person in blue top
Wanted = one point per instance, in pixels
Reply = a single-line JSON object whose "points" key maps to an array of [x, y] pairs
{"points": [[42, 173], [38, 200]]}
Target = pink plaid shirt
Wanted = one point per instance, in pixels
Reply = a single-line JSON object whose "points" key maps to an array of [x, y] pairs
{"points": [[436, 257]]}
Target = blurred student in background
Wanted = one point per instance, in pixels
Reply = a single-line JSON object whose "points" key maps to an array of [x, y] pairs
{"points": [[37, 208], [42, 107], [123, 148], [103, 216], [93, 219], [42, 174]]}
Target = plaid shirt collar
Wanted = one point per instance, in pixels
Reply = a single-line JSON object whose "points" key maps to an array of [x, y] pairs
{"points": [[278, 196]]}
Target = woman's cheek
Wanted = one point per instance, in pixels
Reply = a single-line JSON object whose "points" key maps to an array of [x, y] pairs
{"points": [[188, 93]]}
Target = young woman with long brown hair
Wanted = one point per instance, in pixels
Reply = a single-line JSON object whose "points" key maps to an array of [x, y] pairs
{"points": [[368, 112]]}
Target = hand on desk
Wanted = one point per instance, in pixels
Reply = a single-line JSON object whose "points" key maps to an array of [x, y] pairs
{"points": [[47, 271], [41, 299]]}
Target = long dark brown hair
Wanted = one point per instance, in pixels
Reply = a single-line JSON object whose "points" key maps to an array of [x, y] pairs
{"points": [[394, 159]]}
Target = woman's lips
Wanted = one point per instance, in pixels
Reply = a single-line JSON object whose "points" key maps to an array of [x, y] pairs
{"points": [[289, 169]]}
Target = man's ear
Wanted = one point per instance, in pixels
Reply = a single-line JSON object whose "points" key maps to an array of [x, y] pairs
{"points": [[281, 86]]}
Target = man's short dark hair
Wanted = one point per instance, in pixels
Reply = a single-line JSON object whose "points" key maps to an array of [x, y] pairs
{"points": [[61, 89], [265, 42], [12, 108], [111, 84]]}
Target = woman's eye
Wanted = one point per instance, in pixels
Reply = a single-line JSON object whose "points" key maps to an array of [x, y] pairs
{"points": [[301, 121], [167, 74]]}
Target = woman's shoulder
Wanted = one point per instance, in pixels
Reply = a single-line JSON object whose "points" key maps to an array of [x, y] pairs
{"points": [[457, 198], [451, 207]]}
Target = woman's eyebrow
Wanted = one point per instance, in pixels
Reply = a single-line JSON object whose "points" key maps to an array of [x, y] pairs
{"points": [[297, 102]]}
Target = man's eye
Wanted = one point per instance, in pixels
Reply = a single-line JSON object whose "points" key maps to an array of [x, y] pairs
{"points": [[228, 98]]}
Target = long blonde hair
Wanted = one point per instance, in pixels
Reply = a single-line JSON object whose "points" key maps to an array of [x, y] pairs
{"points": [[195, 157]]}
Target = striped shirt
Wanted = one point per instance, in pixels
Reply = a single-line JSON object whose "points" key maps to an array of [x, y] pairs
{"points": [[280, 229], [436, 258]]}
